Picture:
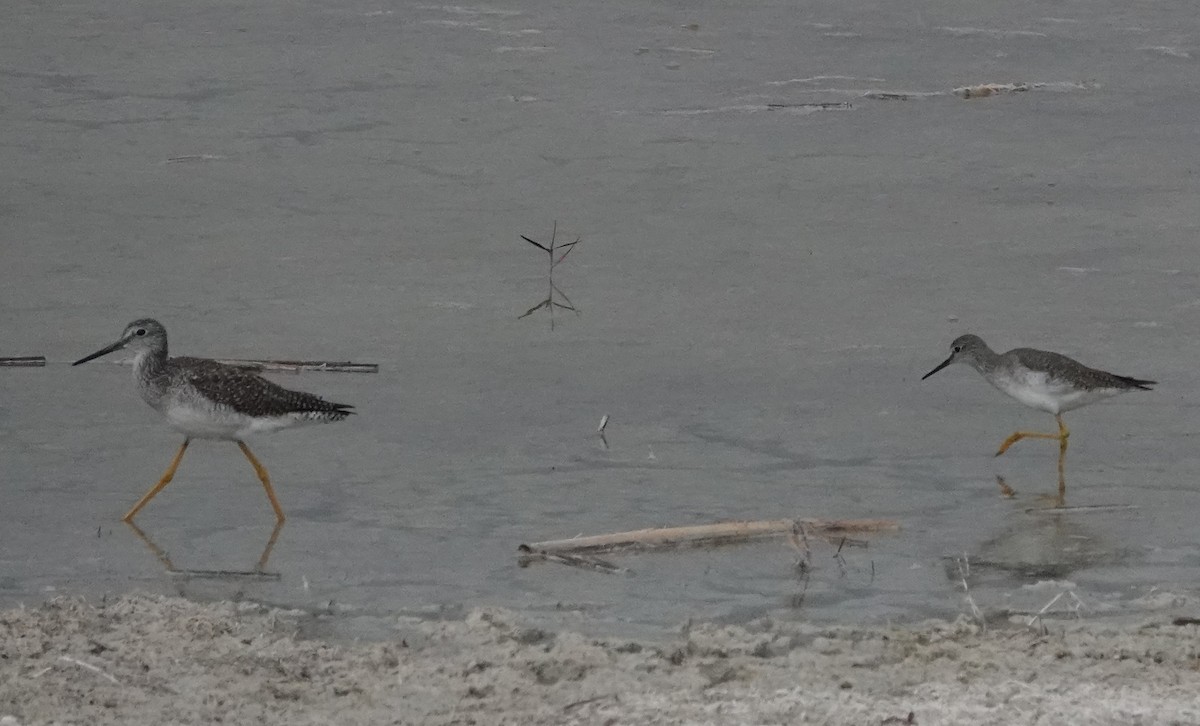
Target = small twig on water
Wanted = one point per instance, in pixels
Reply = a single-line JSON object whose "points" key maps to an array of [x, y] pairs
{"points": [[302, 365], [288, 366], [568, 306], [550, 303], [1082, 509], [193, 157], [534, 309], [841, 561], [539, 245], [226, 574]]}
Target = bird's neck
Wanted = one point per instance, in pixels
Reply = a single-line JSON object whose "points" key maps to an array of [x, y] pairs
{"points": [[986, 361], [149, 363]]}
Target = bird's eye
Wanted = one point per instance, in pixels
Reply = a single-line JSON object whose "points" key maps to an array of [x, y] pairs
{"points": [[140, 331], [957, 348]]}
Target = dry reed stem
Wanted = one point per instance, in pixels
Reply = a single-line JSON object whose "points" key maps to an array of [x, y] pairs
{"points": [[708, 534]]}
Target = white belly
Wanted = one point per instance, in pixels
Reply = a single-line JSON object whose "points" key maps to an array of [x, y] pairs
{"points": [[207, 423], [1037, 390]]}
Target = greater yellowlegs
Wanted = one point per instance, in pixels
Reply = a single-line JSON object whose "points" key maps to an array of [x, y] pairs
{"points": [[1049, 382], [204, 399]]}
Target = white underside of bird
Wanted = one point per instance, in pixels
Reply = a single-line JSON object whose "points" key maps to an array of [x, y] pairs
{"points": [[204, 422], [1039, 390]]}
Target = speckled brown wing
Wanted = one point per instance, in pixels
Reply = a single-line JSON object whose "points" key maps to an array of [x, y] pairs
{"points": [[249, 393], [1060, 367]]}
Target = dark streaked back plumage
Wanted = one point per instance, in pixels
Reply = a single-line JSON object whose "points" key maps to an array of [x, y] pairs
{"points": [[247, 392], [1060, 367]]}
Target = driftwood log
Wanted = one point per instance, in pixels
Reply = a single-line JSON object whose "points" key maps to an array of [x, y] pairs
{"points": [[702, 535]]}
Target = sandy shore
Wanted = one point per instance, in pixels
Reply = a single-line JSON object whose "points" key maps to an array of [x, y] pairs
{"points": [[143, 660]]}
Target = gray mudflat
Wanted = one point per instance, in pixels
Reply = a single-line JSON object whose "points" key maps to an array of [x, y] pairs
{"points": [[762, 283]]}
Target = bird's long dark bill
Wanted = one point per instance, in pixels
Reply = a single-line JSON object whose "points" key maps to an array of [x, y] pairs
{"points": [[103, 351], [942, 365]]}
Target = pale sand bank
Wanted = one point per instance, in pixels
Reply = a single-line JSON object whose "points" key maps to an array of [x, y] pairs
{"points": [[149, 660]]}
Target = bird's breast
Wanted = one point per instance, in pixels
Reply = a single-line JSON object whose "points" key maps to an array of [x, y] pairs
{"points": [[1032, 388]]}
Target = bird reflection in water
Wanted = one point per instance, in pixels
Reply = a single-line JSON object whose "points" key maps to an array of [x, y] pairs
{"points": [[258, 572]]}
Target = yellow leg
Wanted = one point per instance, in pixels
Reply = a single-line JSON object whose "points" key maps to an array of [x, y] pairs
{"points": [[166, 479], [1018, 435], [1061, 436], [266, 481]]}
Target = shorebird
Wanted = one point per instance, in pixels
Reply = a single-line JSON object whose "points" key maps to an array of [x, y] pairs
{"points": [[1040, 379], [204, 399]]}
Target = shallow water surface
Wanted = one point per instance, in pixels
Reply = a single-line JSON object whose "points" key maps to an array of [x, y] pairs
{"points": [[786, 215]]}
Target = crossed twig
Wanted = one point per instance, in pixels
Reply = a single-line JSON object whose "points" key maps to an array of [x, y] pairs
{"points": [[550, 303]]}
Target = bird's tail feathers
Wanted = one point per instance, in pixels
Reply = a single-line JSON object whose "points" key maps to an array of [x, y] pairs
{"points": [[1137, 382]]}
